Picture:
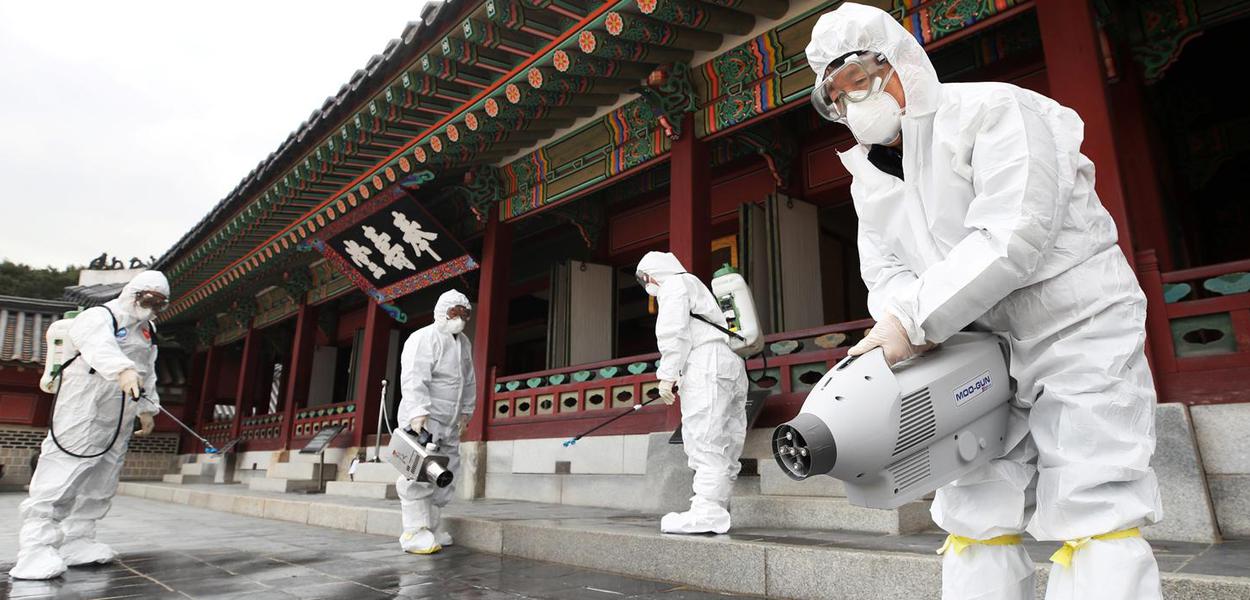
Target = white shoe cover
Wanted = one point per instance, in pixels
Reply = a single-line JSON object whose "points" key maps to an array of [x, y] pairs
{"points": [[706, 519], [440, 528], [86, 551], [420, 541], [38, 562]]}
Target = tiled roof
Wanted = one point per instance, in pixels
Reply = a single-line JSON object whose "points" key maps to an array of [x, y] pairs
{"points": [[23, 323], [93, 295]]}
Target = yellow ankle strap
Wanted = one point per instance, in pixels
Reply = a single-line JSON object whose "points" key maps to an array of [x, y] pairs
{"points": [[1063, 556], [958, 543]]}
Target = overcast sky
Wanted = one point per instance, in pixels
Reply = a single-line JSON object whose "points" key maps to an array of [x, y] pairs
{"points": [[123, 122]]}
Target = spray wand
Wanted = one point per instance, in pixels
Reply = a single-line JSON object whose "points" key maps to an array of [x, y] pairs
{"points": [[633, 409]]}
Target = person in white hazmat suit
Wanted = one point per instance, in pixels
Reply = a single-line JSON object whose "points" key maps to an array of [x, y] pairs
{"points": [[976, 207], [68, 494], [695, 357], [439, 392]]}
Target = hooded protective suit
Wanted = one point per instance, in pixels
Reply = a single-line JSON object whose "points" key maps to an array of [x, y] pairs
{"points": [[437, 382], [713, 384], [69, 494], [995, 223]]}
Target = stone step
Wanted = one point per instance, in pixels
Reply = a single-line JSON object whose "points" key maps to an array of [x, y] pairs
{"points": [[183, 478], [362, 489], [773, 563], [198, 468], [246, 475], [376, 473], [798, 512], [774, 482], [277, 484], [301, 470]]}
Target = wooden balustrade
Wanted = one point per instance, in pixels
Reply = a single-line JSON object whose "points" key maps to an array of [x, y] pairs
{"points": [[560, 402], [1198, 322], [308, 421]]}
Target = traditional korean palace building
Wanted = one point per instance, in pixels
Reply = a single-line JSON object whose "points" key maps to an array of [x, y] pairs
{"points": [[528, 152]]}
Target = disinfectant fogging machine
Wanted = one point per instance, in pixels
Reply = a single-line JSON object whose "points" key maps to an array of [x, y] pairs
{"points": [[894, 435], [416, 456]]}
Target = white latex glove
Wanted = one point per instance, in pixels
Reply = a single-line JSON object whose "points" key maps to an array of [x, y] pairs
{"points": [[146, 423], [889, 335], [417, 423], [128, 381], [666, 391]]}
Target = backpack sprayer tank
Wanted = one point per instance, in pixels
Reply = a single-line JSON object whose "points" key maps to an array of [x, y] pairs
{"points": [[894, 436], [59, 351], [736, 303]]}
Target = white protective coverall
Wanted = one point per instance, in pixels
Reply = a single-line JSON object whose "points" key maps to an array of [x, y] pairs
{"points": [[437, 381], [996, 224], [713, 384], [69, 494]]}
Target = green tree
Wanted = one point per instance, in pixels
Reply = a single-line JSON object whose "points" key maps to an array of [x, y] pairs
{"points": [[48, 283]]}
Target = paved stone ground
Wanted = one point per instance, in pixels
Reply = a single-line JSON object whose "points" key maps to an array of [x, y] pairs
{"points": [[176, 551]]}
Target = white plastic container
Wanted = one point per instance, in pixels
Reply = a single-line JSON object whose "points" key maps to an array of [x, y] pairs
{"points": [[59, 349], [736, 303]]}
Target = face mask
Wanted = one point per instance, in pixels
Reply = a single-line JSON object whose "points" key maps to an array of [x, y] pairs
{"points": [[652, 289], [144, 314], [453, 326], [875, 120]]}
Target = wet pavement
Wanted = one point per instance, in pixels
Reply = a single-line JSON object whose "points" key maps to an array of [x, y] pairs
{"points": [[177, 551]]}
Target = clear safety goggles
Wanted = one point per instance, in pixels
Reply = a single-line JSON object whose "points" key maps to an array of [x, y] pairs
{"points": [[151, 300], [643, 278], [459, 312], [858, 78]]}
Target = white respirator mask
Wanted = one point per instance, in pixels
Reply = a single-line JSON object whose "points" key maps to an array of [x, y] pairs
{"points": [[875, 120], [453, 326]]}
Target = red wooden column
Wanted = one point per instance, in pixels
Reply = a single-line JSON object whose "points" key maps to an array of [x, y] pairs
{"points": [[491, 320], [302, 347], [208, 388], [247, 378], [1074, 70], [690, 208], [373, 356], [1142, 184], [689, 212], [192, 401]]}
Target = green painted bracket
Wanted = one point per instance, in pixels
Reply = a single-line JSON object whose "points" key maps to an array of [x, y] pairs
{"points": [[785, 347], [1175, 292], [609, 372], [1228, 284], [557, 379], [582, 376], [513, 385], [638, 368], [830, 341], [534, 382], [498, 386]]}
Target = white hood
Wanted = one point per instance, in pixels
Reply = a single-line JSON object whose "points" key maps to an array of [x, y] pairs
{"points": [[856, 27]]}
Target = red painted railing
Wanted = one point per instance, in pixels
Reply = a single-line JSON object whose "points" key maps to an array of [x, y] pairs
{"points": [[1199, 326], [308, 421], [563, 402], [261, 432]]}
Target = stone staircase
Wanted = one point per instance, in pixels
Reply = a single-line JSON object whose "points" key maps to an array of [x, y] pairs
{"points": [[373, 480], [301, 474], [195, 472]]}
